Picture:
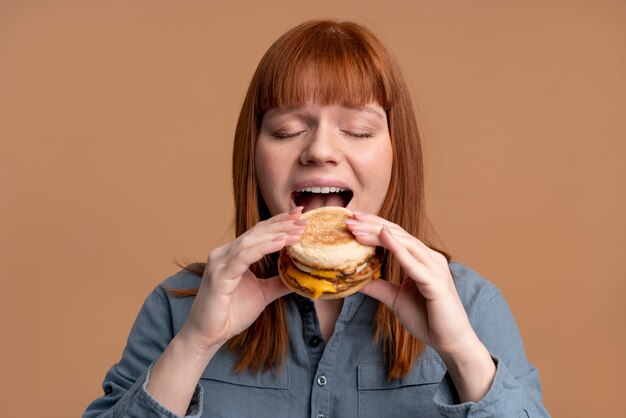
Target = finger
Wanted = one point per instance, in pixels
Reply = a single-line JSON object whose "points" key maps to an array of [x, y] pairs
{"points": [[259, 235], [371, 218], [273, 288], [371, 236], [239, 263], [278, 226], [367, 233], [294, 213], [383, 291], [285, 222], [413, 267], [373, 224], [367, 238], [253, 245], [256, 236]]}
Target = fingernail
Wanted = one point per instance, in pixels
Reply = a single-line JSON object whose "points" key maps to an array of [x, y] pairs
{"points": [[301, 222], [295, 232], [295, 210], [358, 233], [351, 221]]}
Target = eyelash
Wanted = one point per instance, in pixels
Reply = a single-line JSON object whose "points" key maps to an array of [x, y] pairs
{"points": [[287, 135], [364, 135]]}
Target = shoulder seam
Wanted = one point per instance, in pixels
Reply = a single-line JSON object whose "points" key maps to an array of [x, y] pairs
{"points": [[487, 300], [161, 293]]}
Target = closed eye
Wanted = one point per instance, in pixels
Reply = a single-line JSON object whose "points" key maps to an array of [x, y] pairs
{"points": [[358, 134], [285, 135]]}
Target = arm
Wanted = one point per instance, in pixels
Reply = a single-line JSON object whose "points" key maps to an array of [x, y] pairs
{"points": [[516, 388], [429, 306], [216, 315], [125, 383]]}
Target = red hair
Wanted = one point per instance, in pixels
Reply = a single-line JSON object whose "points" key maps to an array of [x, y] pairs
{"points": [[329, 62]]}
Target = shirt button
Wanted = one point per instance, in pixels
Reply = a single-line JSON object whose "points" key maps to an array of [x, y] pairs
{"points": [[307, 307], [322, 380], [315, 341], [319, 416]]}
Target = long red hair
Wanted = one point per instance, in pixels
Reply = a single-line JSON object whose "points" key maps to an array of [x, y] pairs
{"points": [[329, 62]]}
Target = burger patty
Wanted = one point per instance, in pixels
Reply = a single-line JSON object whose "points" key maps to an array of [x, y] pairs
{"points": [[372, 265], [341, 283]]}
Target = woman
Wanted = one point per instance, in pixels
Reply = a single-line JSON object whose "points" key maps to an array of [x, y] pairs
{"points": [[326, 107]]}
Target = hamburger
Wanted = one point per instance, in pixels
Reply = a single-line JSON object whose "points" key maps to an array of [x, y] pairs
{"points": [[328, 262]]}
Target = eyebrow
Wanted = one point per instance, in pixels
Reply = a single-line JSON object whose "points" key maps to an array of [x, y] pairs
{"points": [[366, 108], [281, 110]]}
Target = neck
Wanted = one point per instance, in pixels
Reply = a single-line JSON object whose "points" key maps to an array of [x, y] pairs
{"points": [[327, 312]]}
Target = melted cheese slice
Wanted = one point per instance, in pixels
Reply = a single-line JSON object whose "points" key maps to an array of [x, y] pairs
{"points": [[325, 273], [317, 286]]}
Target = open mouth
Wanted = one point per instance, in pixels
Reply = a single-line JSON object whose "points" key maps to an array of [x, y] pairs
{"points": [[316, 197]]}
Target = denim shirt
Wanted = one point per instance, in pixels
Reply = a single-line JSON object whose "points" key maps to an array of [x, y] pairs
{"points": [[342, 377]]}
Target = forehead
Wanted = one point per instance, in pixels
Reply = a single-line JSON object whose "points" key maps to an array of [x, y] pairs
{"points": [[370, 109]]}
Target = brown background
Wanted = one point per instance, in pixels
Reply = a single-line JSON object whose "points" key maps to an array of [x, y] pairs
{"points": [[116, 122]]}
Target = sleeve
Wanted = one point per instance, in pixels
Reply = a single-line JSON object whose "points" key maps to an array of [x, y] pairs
{"points": [[124, 385], [516, 388]]}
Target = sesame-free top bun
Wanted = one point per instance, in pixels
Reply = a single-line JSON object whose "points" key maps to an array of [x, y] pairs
{"points": [[326, 243]]}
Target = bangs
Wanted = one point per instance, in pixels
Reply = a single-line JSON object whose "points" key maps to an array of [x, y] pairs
{"points": [[331, 66]]}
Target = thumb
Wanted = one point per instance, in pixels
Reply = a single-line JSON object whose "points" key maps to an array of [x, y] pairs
{"points": [[383, 291], [273, 288]]}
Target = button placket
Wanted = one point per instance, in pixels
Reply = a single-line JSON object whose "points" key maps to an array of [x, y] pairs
{"points": [[325, 355], [307, 307]]}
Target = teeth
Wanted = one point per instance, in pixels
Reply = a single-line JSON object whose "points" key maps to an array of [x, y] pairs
{"points": [[323, 190]]}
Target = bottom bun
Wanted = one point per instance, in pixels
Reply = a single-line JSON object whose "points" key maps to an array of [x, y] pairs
{"points": [[325, 296]]}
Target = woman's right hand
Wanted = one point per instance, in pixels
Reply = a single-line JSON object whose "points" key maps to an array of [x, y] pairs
{"points": [[230, 296], [229, 299]]}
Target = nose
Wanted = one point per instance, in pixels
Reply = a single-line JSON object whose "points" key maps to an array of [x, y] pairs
{"points": [[321, 148]]}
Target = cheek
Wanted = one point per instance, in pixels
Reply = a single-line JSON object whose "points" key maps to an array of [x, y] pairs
{"points": [[377, 166], [271, 174], [264, 169], [261, 163], [374, 172], [383, 179], [269, 161], [387, 162]]}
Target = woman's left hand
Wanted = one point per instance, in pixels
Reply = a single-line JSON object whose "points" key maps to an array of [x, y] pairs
{"points": [[427, 303]]}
